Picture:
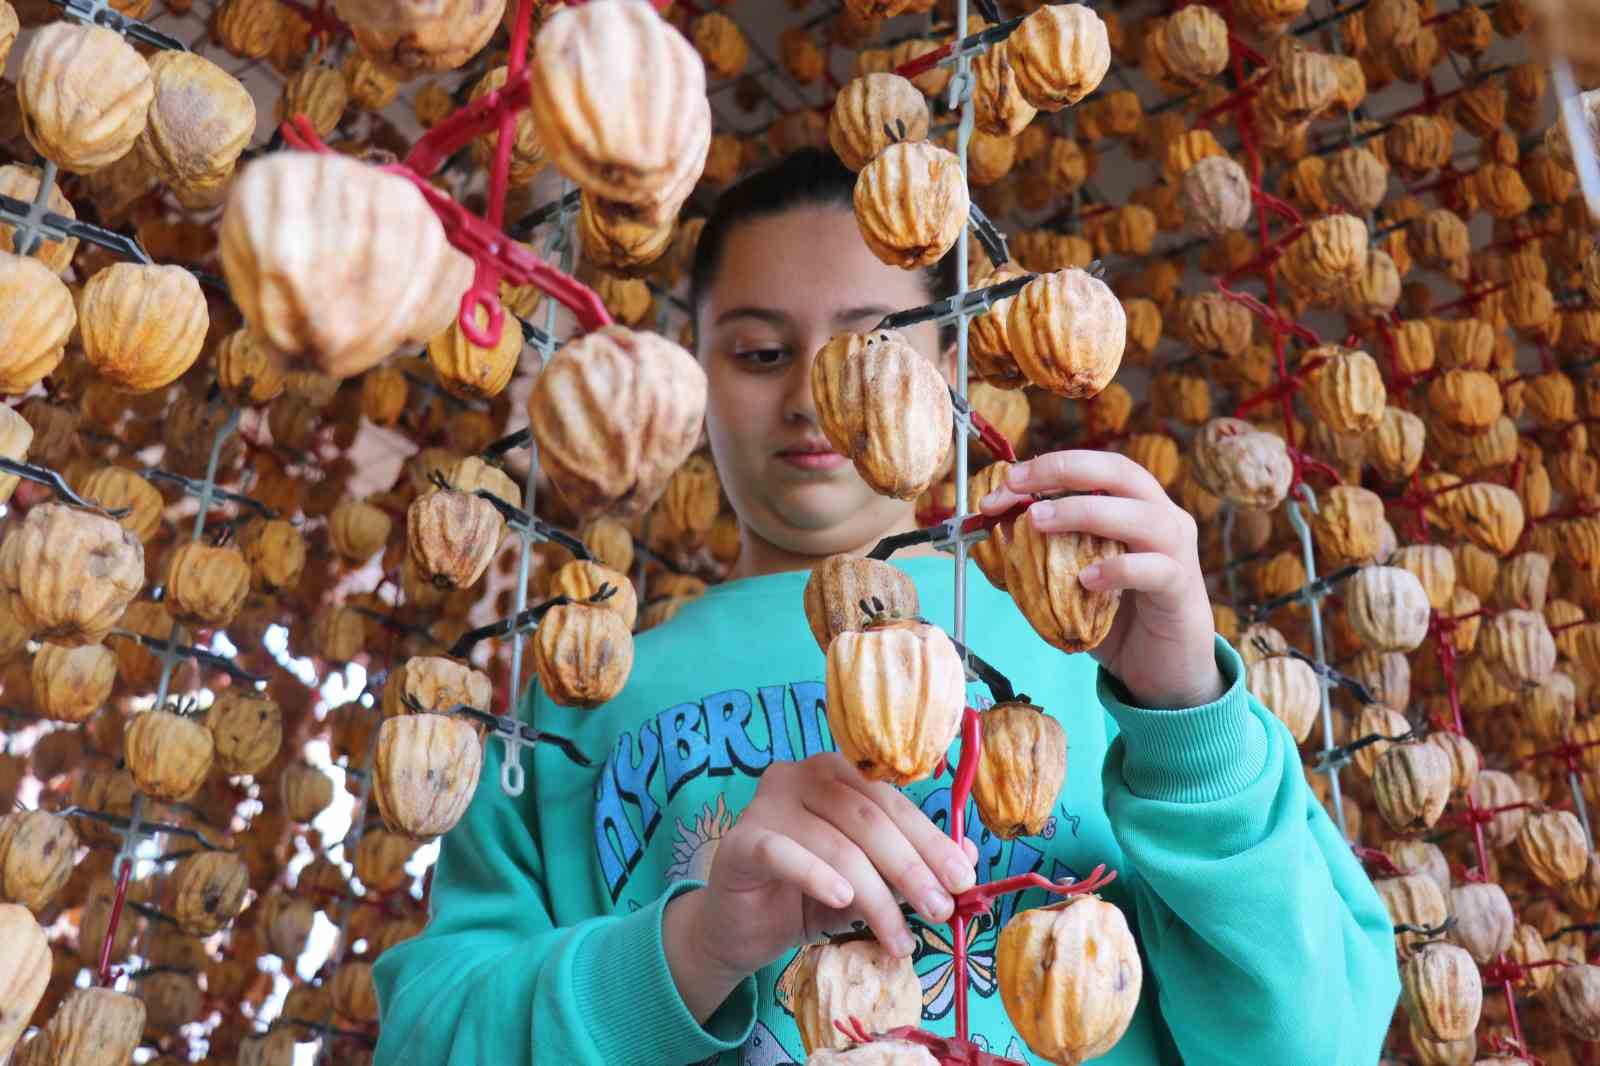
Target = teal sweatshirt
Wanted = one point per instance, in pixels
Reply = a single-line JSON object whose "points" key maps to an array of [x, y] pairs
{"points": [[1263, 940]]}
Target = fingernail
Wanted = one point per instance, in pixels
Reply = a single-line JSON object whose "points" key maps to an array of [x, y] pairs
{"points": [[1089, 575], [1017, 475], [989, 500], [904, 943], [959, 875], [1042, 511], [936, 904], [841, 894]]}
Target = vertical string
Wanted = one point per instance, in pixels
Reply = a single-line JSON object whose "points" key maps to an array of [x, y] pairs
{"points": [[961, 95]]}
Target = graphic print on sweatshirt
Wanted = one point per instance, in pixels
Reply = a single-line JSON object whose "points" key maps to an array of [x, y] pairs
{"points": [[726, 740]]}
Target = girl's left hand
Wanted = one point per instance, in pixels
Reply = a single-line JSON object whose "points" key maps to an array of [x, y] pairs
{"points": [[1161, 644]]}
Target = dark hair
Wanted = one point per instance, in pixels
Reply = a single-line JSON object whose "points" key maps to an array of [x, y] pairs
{"points": [[808, 177]]}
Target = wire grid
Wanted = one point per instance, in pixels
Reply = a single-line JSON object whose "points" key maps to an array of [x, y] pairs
{"points": [[1502, 971], [260, 77]]}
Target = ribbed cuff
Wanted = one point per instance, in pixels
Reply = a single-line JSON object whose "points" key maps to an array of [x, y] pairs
{"points": [[623, 974], [1195, 755]]}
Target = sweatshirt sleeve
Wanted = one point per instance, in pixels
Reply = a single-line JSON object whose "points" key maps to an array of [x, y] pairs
{"points": [[494, 979], [1265, 938]]}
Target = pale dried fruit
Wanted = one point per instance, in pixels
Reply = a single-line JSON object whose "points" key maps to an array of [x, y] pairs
{"points": [[615, 413], [40, 316], [877, 386], [1289, 689], [169, 755], [452, 536], [911, 203], [1577, 998], [852, 979], [619, 98], [142, 325], [85, 95], [1060, 54], [429, 684], [206, 585], [95, 1027], [1245, 467], [425, 773], [37, 853], [415, 36], [1346, 389], [998, 106], [1215, 196], [895, 695], [1067, 331], [581, 581], [1442, 992], [468, 371], [1519, 648], [1069, 977], [69, 574], [307, 791], [1042, 576], [881, 1052], [70, 684], [357, 529], [200, 119], [1553, 845], [25, 964], [338, 633], [335, 261], [1484, 920], [246, 731], [1411, 783], [1022, 769], [872, 112], [1388, 608], [1415, 900], [208, 890], [582, 653], [845, 591]]}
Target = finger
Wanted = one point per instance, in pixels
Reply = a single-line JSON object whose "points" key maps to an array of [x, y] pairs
{"points": [[871, 898], [1001, 500], [1086, 471], [970, 850], [860, 817], [945, 857], [1142, 526], [785, 859], [1148, 572]]}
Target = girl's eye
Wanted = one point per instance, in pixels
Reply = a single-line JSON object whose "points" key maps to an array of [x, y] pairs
{"points": [[761, 358]]}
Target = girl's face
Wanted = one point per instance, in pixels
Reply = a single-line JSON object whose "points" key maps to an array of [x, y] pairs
{"points": [[786, 285]]}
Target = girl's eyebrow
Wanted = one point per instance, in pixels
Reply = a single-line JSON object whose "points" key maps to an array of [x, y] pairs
{"points": [[769, 315], [856, 314]]}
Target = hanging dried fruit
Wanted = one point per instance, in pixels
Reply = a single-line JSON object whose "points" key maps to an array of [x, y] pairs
{"points": [[425, 772], [911, 203], [1021, 770], [336, 261], [614, 413], [1042, 576], [895, 693], [1069, 977], [848, 980], [68, 574]]}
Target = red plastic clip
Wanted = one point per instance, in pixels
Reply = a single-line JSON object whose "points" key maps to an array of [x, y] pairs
{"points": [[1379, 859], [102, 974], [495, 256], [950, 1051]]}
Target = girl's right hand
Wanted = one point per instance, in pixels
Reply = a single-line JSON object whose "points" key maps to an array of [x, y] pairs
{"points": [[818, 848]]}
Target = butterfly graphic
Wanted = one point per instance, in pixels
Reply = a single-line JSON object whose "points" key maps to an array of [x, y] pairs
{"points": [[934, 961]]}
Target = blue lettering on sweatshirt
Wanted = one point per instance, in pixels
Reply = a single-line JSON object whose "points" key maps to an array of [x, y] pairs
{"points": [[723, 734]]}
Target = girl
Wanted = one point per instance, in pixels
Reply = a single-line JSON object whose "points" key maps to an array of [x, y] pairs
{"points": [[647, 911]]}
